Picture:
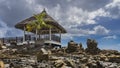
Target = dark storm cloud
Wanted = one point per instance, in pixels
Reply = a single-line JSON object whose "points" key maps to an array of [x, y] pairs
{"points": [[115, 12], [12, 11], [89, 5]]}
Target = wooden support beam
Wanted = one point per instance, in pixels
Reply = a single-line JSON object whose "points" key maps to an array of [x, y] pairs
{"points": [[50, 34], [60, 36], [24, 34]]}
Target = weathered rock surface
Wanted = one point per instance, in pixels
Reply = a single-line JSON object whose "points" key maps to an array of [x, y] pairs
{"points": [[80, 48], [108, 52], [2, 64], [92, 47], [73, 56], [43, 55], [72, 47]]}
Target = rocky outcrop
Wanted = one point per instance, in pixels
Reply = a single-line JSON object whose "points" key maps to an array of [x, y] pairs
{"points": [[80, 48], [92, 47], [114, 58], [108, 52], [72, 47], [76, 57]]}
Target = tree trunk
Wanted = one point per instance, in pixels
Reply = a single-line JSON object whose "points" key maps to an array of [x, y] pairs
{"points": [[36, 34]]}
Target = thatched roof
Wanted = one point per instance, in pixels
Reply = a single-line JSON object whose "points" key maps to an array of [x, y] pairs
{"points": [[44, 30]]}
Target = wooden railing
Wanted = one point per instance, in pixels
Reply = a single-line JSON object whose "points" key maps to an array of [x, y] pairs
{"points": [[29, 38]]}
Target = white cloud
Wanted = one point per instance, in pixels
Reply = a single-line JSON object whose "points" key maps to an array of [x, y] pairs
{"points": [[79, 16], [111, 37], [67, 36], [33, 6], [3, 29], [113, 4], [113, 8], [98, 13], [6, 31], [111, 47], [75, 16], [69, 0], [99, 30], [55, 12], [30, 1]]}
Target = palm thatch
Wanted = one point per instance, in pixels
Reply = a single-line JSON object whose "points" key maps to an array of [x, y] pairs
{"points": [[44, 30]]}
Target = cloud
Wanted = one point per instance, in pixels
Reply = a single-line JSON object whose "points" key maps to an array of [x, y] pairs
{"points": [[14, 11], [79, 16], [70, 14], [3, 29], [111, 37], [113, 8], [98, 13], [99, 30], [111, 47], [6, 31]]}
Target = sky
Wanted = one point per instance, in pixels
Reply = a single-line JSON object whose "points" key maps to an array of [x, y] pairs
{"points": [[96, 19]]}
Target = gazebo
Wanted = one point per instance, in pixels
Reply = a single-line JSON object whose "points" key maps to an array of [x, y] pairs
{"points": [[49, 36]]}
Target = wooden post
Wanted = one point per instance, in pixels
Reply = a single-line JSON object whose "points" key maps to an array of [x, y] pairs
{"points": [[3, 40], [24, 35], [16, 39], [39, 37], [36, 34], [60, 36], [50, 34]]}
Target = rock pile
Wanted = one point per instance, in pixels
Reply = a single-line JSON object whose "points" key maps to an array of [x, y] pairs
{"points": [[92, 47], [73, 56], [67, 63]]}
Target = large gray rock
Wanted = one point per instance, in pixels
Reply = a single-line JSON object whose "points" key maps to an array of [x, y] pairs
{"points": [[92, 47]]}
